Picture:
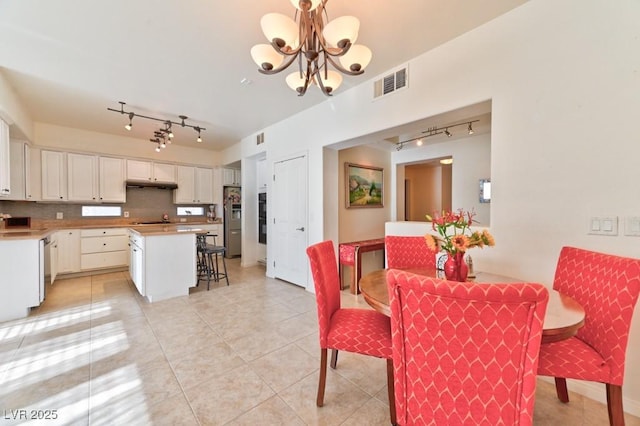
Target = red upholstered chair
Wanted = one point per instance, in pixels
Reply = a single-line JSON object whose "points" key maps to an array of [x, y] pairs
{"points": [[464, 353], [361, 331], [607, 287], [408, 252]]}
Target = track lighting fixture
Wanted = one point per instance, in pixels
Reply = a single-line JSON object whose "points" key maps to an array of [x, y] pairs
{"points": [[164, 135], [435, 130], [130, 125]]}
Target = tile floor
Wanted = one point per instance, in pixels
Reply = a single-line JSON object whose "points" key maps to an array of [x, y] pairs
{"points": [[96, 353]]}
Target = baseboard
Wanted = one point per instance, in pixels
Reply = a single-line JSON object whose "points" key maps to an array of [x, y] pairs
{"points": [[597, 392]]}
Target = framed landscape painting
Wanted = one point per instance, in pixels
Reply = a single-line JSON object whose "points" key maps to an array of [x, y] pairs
{"points": [[364, 186]]}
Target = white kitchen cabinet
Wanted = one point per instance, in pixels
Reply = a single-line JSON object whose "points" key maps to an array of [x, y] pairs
{"points": [[111, 180], [136, 261], [33, 173], [231, 177], [261, 175], [95, 179], [195, 186], [103, 248], [20, 283], [68, 251], [53, 256], [82, 172], [5, 160], [54, 176], [151, 171], [18, 172], [204, 185], [186, 191]]}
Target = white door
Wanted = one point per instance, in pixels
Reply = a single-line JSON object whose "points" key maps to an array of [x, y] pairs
{"points": [[290, 220]]}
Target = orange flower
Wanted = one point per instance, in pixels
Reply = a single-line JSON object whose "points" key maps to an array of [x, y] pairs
{"points": [[460, 242], [488, 238], [431, 242]]}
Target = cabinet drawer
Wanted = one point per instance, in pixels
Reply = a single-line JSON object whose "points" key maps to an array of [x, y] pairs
{"points": [[104, 260], [99, 232], [103, 244]]}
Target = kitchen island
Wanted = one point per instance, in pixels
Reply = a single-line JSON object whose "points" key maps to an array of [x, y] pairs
{"points": [[163, 260]]}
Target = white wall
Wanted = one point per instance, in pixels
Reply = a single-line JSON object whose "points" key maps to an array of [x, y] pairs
{"points": [[70, 139], [563, 80]]}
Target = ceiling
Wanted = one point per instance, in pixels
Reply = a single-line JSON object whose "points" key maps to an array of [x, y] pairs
{"points": [[70, 60]]}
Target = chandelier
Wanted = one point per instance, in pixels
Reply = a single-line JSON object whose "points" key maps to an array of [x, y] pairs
{"points": [[314, 44]]}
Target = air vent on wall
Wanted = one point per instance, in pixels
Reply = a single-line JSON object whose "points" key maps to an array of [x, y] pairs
{"points": [[391, 83]]}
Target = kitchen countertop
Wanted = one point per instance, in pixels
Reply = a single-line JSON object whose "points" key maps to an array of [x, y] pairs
{"points": [[142, 229]]}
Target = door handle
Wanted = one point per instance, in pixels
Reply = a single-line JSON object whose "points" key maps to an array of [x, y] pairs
{"points": [[300, 229]]}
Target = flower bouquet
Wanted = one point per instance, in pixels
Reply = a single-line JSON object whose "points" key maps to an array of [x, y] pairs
{"points": [[455, 238]]}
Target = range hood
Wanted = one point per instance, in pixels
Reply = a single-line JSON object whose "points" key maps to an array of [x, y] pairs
{"points": [[150, 184]]}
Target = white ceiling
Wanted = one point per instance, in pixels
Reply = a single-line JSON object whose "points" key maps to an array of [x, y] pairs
{"points": [[70, 60]]}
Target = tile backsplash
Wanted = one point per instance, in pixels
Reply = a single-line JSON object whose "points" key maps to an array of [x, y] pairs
{"points": [[142, 204]]}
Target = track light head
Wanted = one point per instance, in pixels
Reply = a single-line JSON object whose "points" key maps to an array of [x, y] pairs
{"points": [[470, 129], [447, 132]]}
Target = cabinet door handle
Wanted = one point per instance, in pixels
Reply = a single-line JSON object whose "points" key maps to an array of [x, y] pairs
{"points": [[300, 229]]}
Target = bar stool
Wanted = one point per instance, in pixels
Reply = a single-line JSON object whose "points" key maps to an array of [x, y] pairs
{"points": [[207, 267]]}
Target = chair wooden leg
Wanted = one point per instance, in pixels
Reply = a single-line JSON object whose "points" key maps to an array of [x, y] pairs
{"points": [[334, 358], [392, 396], [614, 405], [323, 377], [561, 389]]}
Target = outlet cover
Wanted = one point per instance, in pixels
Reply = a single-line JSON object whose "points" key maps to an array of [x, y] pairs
{"points": [[126, 214], [59, 215]]}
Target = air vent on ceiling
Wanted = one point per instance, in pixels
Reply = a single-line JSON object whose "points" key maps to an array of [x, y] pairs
{"points": [[391, 83]]}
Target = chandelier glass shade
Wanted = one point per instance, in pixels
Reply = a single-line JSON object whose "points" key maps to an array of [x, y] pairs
{"points": [[314, 44]]}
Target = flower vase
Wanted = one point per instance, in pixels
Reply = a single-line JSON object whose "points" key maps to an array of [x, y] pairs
{"points": [[455, 268]]}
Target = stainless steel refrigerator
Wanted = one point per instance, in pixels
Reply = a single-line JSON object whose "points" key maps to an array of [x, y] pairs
{"points": [[232, 221]]}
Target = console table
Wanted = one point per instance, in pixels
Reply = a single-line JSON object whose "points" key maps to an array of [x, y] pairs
{"points": [[350, 254]]}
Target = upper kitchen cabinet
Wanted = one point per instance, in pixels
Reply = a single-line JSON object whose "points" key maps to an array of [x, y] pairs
{"points": [[195, 186], [112, 180], [231, 177], [150, 171], [19, 171], [54, 176], [5, 160], [95, 179]]}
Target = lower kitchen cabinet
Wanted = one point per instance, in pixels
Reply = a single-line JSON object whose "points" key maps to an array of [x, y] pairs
{"points": [[21, 278], [103, 248], [68, 241]]}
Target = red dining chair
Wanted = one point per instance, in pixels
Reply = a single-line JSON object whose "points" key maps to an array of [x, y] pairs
{"points": [[463, 352], [361, 331], [607, 286], [408, 252]]}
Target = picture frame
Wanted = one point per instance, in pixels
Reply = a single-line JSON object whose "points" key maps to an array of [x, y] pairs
{"points": [[364, 186]]}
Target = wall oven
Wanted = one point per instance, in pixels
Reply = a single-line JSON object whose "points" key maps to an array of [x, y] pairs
{"points": [[262, 218]]}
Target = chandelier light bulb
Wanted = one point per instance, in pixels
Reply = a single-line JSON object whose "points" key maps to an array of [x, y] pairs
{"points": [[265, 56], [295, 82], [128, 126], [314, 4], [279, 26], [357, 58], [333, 81], [158, 148], [342, 28], [163, 145]]}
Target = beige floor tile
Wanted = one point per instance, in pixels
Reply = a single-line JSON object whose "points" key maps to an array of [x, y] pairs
{"points": [[197, 367], [372, 413], [173, 411], [271, 412], [225, 398], [256, 346], [285, 366], [341, 399]]}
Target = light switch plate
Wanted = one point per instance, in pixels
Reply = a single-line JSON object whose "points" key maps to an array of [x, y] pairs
{"points": [[603, 225], [632, 226]]}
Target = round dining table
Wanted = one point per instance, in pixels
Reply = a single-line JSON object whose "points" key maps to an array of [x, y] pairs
{"points": [[563, 318]]}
